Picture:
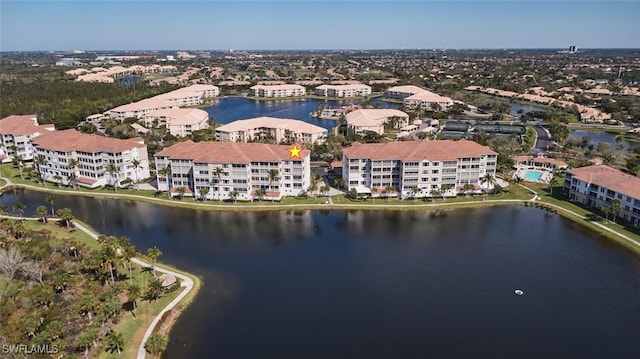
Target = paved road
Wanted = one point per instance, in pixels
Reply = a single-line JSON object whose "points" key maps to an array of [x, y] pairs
{"points": [[544, 139]]}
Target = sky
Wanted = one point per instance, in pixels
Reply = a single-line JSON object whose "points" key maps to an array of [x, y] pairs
{"points": [[316, 25]]}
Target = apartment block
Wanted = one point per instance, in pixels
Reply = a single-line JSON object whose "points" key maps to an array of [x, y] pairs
{"points": [[16, 133], [431, 166], [278, 90], [278, 129], [600, 185], [71, 157], [230, 170], [179, 121], [351, 90]]}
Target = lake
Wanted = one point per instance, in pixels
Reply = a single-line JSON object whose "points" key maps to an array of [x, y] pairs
{"points": [[229, 109], [601, 136], [381, 284]]}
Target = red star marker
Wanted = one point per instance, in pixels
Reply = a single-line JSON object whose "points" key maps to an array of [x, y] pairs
{"points": [[294, 152]]}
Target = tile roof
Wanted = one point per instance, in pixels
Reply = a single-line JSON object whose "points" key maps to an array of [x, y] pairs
{"points": [[22, 125], [70, 140], [372, 117], [181, 116], [610, 178], [442, 150], [228, 152], [296, 126]]}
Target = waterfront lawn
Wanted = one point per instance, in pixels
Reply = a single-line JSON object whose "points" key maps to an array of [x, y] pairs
{"points": [[556, 197]]}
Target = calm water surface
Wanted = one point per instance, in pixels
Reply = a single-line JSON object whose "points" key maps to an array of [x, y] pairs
{"points": [[600, 136], [354, 284], [229, 109]]}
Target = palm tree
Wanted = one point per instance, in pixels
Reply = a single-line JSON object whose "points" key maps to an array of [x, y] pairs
{"points": [[390, 189], [324, 190], [414, 191], [19, 208], [40, 161], [468, 187], [165, 172], [66, 215], [58, 180], [234, 195], [18, 162], [203, 193], [49, 199], [444, 188], [156, 344], [115, 342], [136, 165], [517, 180], [260, 194], [112, 170], [133, 292], [72, 165], [434, 193], [273, 176], [616, 207], [489, 180], [153, 254], [218, 172], [339, 183], [606, 211], [181, 191], [42, 212], [73, 180]]}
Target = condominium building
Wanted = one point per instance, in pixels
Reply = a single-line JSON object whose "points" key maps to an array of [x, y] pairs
{"points": [[71, 157], [442, 167], [16, 133], [403, 91], [428, 101], [188, 96], [141, 108], [179, 121], [373, 120], [600, 185], [278, 90], [277, 129], [351, 90], [230, 170]]}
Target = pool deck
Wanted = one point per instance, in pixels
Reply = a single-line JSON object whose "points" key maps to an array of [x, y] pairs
{"points": [[521, 172]]}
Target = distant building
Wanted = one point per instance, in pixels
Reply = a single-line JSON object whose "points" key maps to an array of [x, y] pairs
{"points": [[373, 120], [403, 91], [278, 90], [141, 108], [442, 167], [179, 121], [16, 133], [280, 129], [598, 186], [428, 101], [93, 154], [243, 168], [351, 90]]}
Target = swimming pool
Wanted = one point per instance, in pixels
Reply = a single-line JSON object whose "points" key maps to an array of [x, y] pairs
{"points": [[533, 176]]}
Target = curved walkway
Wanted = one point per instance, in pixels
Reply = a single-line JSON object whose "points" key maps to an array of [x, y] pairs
{"points": [[186, 282]]}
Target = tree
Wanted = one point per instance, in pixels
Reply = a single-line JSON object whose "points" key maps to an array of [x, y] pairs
{"points": [[19, 208], [115, 342], [153, 254], [325, 189], [234, 195], [606, 210], [414, 192], [133, 292], [489, 180], [165, 172], [434, 193], [156, 344], [339, 183], [218, 172], [49, 199], [181, 191], [259, 194], [203, 193], [87, 339], [273, 176], [616, 207], [444, 189], [517, 180], [40, 161], [42, 212], [18, 161], [112, 170], [136, 165], [468, 187], [154, 289], [390, 189], [66, 215], [88, 304]]}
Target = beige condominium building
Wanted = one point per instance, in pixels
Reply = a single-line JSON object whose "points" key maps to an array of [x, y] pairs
{"points": [[403, 91], [435, 168], [188, 96], [350, 90], [71, 157], [600, 186], [373, 120], [16, 133], [417, 97], [285, 90], [230, 170], [179, 121], [278, 129]]}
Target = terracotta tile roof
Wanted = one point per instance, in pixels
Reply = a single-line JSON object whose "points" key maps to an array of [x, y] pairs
{"points": [[443, 150], [22, 125], [372, 117], [70, 140], [295, 126], [610, 178], [228, 152], [181, 116]]}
